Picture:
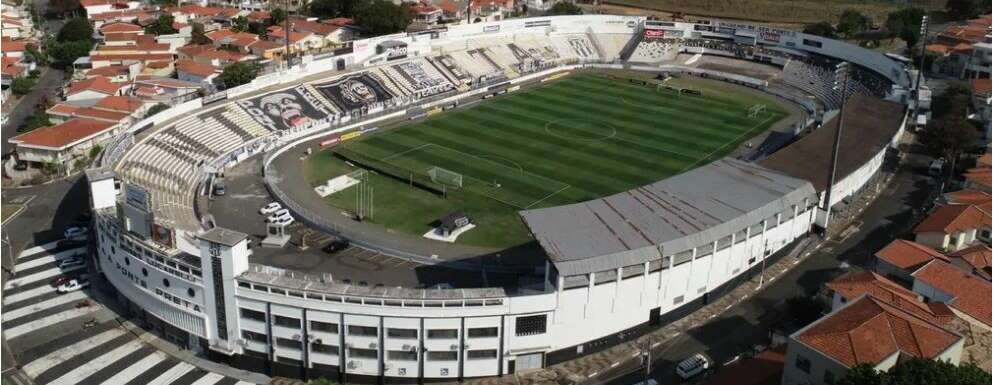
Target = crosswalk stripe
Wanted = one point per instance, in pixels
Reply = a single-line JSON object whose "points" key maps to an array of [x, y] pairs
{"points": [[40, 365], [173, 373], [136, 369], [41, 275], [49, 258], [53, 319], [48, 304], [243, 383], [38, 249], [27, 294], [209, 379], [82, 372]]}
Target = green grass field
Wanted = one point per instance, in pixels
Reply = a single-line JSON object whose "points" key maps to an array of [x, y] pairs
{"points": [[578, 138]]}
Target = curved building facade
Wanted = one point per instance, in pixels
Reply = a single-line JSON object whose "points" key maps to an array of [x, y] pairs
{"points": [[614, 267]]}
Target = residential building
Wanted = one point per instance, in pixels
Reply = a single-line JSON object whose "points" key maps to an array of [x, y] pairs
{"points": [[94, 7], [963, 51], [967, 295], [901, 257], [864, 331], [954, 226], [975, 259], [854, 285], [195, 72], [88, 92], [166, 90], [63, 144]]}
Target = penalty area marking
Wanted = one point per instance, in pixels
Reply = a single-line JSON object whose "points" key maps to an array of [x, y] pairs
{"points": [[692, 165]]}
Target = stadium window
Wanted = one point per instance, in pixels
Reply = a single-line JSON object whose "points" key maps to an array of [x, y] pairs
{"points": [[705, 250], [289, 361], [277, 291], [145, 272], [811, 43], [402, 355], [165, 282], [402, 333], [487, 354], [325, 327], [435, 334], [656, 265], [482, 332], [683, 257], [190, 292], [287, 343], [606, 276], [442, 356], [530, 325], [366, 331], [286, 321], [324, 349], [253, 336], [740, 236], [677, 300], [244, 284], [296, 294], [756, 230], [250, 314], [363, 353]]}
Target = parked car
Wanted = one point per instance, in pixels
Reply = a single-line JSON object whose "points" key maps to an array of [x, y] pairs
{"points": [[692, 366], [270, 208], [70, 244], [219, 189], [336, 246], [74, 285], [935, 168], [75, 232], [70, 263], [285, 220], [277, 216], [61, 280]]}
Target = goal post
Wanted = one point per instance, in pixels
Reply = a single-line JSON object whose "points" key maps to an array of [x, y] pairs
{"points": [[445, 177]]}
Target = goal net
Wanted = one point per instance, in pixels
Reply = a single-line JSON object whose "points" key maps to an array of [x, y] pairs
{"points": [[445, 177], [756, 109]]}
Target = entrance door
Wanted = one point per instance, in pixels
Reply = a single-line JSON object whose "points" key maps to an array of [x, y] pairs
{"points": [[528, 362]]}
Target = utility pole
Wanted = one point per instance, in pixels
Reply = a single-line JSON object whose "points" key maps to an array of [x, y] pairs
{"points": [[286, 32], [921, 63], [841, 85], [647, 356]]}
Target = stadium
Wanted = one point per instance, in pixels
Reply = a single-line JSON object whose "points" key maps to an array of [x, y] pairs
{"points": [[585, 179]]}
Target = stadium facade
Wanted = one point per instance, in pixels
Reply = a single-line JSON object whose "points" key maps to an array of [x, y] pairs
{"points": [[615, 265]]}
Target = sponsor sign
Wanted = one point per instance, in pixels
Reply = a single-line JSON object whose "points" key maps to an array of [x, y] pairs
{"points": [[491, 28], [136, 196], [394, 49], [726, 30], [538, 23], [331, 142], [770, 36], [630, 24], [434, 111], [655, 33], [350, 135], [217, 96]]}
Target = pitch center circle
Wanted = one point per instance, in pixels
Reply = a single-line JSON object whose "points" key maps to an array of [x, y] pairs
{"points": [[577, 129]]}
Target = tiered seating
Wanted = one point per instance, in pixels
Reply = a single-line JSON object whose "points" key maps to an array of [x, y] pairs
{"points": [[819, 81], [652, 51], [575, 46], [612, 44], [419, 77]]}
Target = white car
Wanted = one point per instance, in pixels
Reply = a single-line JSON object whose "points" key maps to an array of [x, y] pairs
{"points": [[70, 263], [75, 284], [270, 208], [75, 232], [284, 220], [692, 366], [278, 215]]}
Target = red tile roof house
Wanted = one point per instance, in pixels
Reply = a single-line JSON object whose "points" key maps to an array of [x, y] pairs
{"points": [[900, 258], [166, 90], [88, 92], [333, 32], [954, 226], [968, 295], [853, 285], [864, 331], [191, 71], [114, 109], [62, 144], [93, 7], [975, 259]]}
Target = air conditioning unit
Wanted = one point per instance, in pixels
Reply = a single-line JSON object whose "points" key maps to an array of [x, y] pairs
{"points": [[402, 371], [372, 345], [454, 347], [406, 347], [444, 371], [348, 345], [352, 365]]}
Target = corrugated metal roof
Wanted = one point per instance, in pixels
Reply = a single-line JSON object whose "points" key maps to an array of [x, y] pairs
{"points": [[663, 218]]}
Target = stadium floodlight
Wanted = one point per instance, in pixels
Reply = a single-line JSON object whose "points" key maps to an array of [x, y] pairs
{"points": [[445, 177]]}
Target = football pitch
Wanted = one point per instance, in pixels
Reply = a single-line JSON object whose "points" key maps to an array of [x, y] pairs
{"points": [[582, 137]]}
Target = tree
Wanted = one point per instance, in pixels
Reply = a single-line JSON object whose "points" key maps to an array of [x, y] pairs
{"points": [[239, 24], [805, 310], [906, 25], [852, 22], [61, 7], [823, 29], [917, 371], [277, 16], [962, 9], [238, 73], [22, 85], [382, 17], [35, 121], [564, 8], [159, 107], [197, 36], [65, 53], [94, 151], [337, 8], [954, 101], [39, 57], [161, 26], [78, 29]]}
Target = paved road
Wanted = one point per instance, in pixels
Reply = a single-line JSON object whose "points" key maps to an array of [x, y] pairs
{"points": [[48, 84], [749, 323]]}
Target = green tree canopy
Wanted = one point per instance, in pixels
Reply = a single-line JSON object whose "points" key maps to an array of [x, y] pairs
{"points": [[852, 22], [337, 8], [963, 9], [65, 53], [383, 17], [823, 29], [157, 108], [61, 7], [238, 73], [906, 24], [918, 371], [239, 24], [277, 16], [77, 29], [161, 26], [564, 8], [22, 85]]}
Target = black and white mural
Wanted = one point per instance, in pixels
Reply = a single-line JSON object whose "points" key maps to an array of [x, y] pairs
{"points": [[354, 91], [286, 109]]}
